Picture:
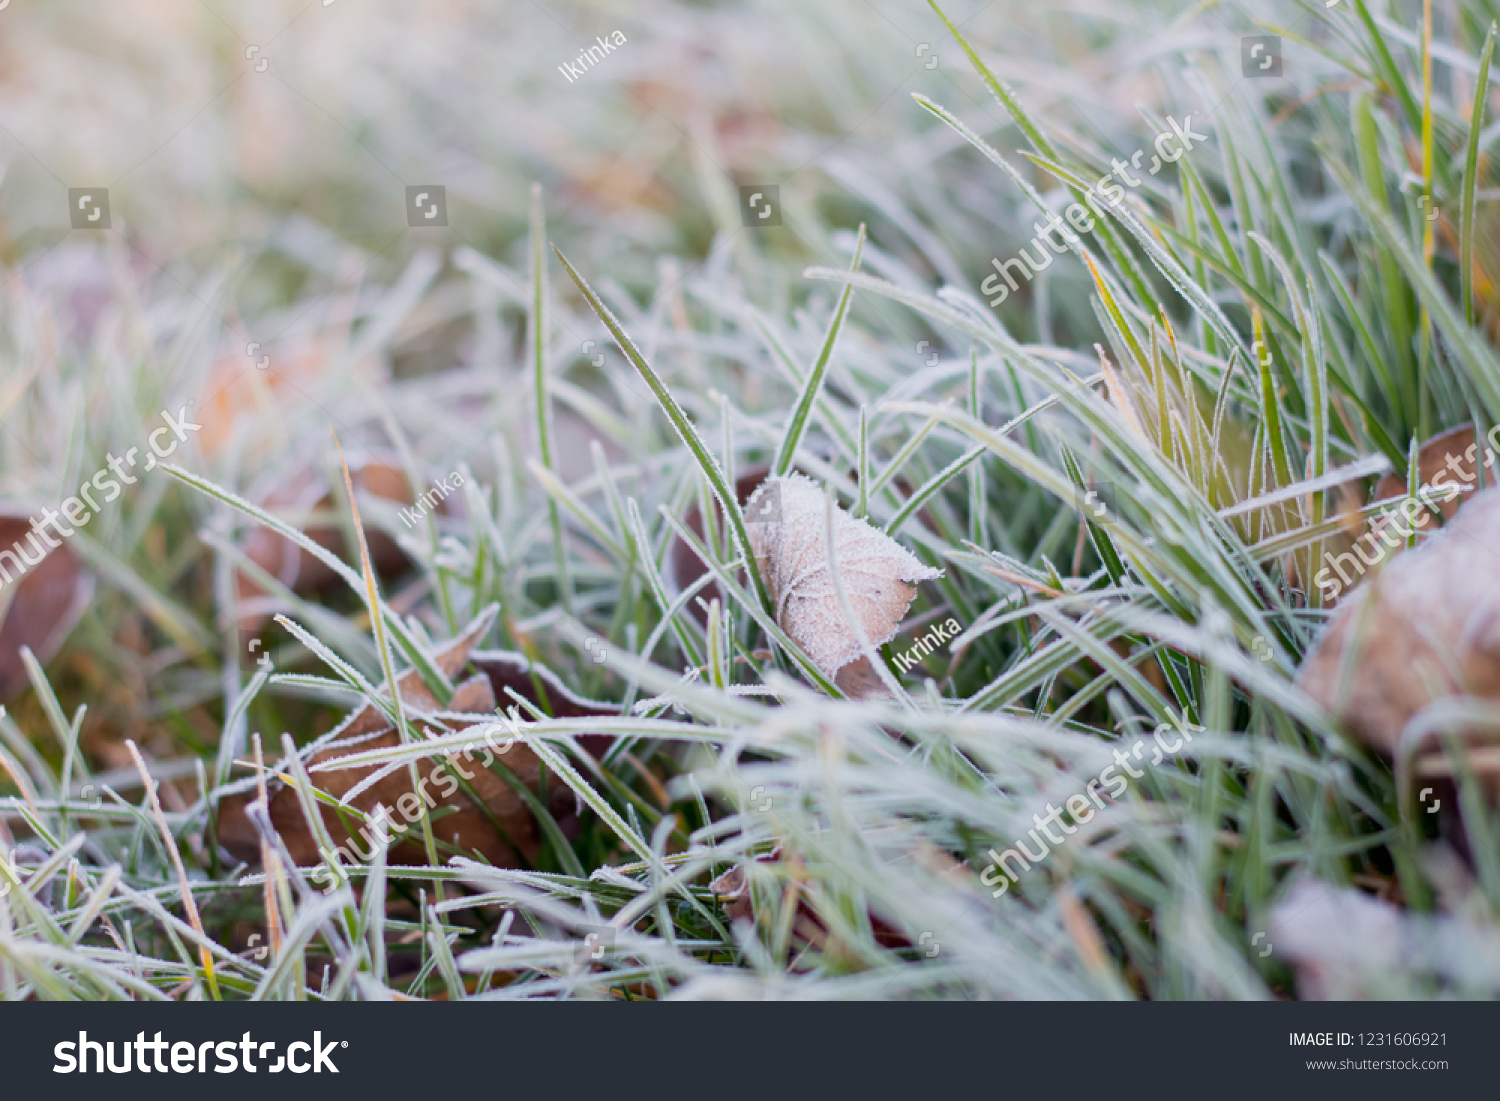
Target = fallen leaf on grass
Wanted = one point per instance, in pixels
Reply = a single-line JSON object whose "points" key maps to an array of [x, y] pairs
{"points": [[788, 525], [37, 608], [1448, 458], [499, 826], [540, 685], [1426, 625], [685, 567]]}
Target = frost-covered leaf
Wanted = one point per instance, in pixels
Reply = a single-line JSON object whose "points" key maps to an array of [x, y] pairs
{"points": [[788, 536]]}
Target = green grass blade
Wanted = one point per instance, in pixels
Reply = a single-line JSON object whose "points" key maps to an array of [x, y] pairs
{"points": [[1471, 171], [728, 500], [802, 411]]}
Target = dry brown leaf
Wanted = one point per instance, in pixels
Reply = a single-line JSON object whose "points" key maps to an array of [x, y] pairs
{"points": [[859, 681], [1450, 457], [540, 685], [37, 608], [469, 827], [788, 525], [683, 566], [1433, 630]]}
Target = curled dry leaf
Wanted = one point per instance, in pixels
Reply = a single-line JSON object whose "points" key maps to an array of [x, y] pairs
{"points": [[788, 525], [1426, 625], [37, 608], [498, 826]]}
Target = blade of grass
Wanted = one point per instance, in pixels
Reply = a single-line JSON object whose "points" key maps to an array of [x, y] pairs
{"points": [[1471, 170], [728, 500], [382, 645], [802, 411]]}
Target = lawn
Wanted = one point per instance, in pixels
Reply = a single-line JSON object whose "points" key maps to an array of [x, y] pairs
{"points": [[865, 500]]}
